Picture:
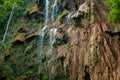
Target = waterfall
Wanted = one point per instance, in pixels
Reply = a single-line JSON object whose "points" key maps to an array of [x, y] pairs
{"points": [[42, 33], [52, 34], [8, 23], [44, 28], [52, 38], [46, 11], [54, 10], [41, 41], [53, 30]]}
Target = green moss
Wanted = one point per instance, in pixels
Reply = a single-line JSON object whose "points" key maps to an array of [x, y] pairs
{"points": [[58, 21]]}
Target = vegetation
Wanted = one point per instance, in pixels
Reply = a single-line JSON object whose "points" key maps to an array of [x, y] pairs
{"points": [[6, 6], [114, 5], [5, 10]]}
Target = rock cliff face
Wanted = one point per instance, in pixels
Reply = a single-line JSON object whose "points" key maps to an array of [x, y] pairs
{"points": [[86, 47]]}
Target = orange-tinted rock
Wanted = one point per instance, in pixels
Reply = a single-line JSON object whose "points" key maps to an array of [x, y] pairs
{"points": [[19, 39]]}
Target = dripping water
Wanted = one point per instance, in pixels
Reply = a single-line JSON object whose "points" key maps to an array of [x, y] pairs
{"points": [[8, 23]]}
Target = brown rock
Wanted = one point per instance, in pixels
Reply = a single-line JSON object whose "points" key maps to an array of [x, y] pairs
{"points": [[19, 39]]}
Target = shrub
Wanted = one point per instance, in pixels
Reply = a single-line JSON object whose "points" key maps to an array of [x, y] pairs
{"points": [[114, 5]]}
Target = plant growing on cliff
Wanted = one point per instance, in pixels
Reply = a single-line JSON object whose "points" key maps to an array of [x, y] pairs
{"points": [[114, 6]]}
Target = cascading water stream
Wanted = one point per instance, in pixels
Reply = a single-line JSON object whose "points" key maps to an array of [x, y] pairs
{"points": [[54, 10], [41, 41], [46, 11], [52, 38], [44, 28], [52, 35], [53, 30], [8, 23]]}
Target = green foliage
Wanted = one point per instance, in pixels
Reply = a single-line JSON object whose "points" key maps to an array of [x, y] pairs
{"points": [[114, 6], [5, 11], [6, 7], [114, 15]]}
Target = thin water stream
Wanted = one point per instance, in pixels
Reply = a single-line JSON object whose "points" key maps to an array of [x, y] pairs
{"points": [[54, 10]]}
